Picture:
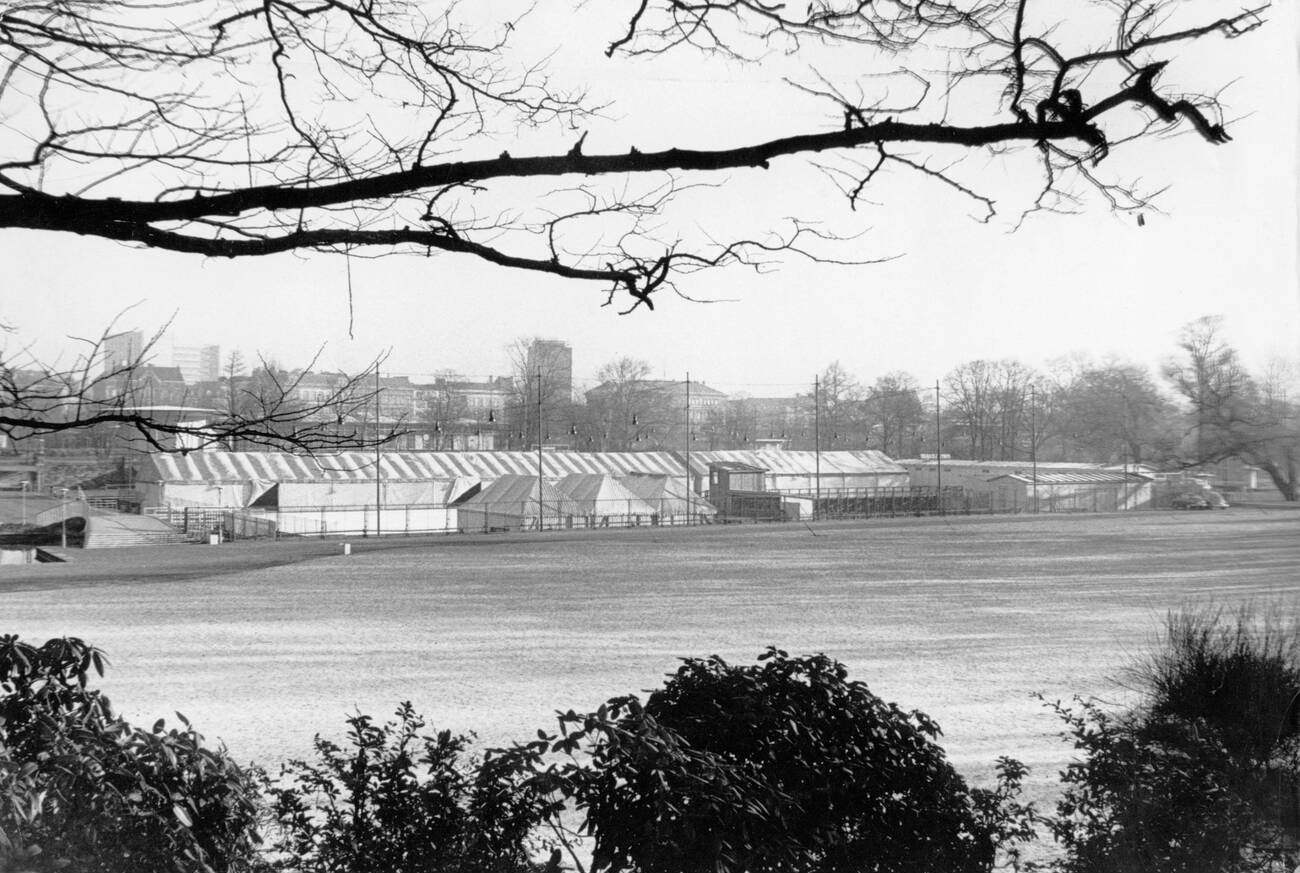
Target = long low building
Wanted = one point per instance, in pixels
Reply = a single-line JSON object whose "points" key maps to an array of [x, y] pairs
{"points": [[396, 492], [278, 479], [800, 472], [1079, 491], [974, 475]]}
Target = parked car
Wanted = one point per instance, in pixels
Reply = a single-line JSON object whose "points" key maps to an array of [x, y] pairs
{"points": [[1189, 501], [1216, 500]]}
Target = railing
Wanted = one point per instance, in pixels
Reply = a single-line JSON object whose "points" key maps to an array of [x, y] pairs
{"points": [[957, 500], [410, 519], [526, 515], [881, 502]]}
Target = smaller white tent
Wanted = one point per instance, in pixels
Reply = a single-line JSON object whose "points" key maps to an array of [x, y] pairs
{"points": [[603, 502], [668, 495], [516, 502]]}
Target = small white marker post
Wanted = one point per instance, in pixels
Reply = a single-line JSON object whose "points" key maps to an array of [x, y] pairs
{"points": [[347, 549]]}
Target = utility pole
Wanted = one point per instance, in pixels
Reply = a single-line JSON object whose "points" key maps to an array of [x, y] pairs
{"points": [[817, 448], [938, 447], [379, 471], [541, 505], [1033, 439], [689, 490], [1124, 487]]}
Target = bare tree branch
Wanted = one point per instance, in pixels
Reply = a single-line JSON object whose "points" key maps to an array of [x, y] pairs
{"points": [[235, 130], [120, 392]]}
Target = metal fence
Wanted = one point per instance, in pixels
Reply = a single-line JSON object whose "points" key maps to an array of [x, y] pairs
{"points": [[957, 500], [528, 515], [235, 523], [876, 502]]}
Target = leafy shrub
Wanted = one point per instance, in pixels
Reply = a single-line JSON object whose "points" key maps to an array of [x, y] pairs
{"points": [[1203, 775], [780, 766], [1160, 796], [399, 799], [1237, 674], [81, 789]]}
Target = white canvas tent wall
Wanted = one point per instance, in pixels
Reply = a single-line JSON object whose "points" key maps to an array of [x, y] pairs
{"points": [[512, 502], [668, 494], [602, 501], [238, 479]]}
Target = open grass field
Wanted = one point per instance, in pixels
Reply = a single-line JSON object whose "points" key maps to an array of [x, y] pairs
{"points": [[263, 645]]}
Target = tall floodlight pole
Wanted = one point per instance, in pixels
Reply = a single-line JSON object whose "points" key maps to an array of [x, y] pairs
{"points": [[1124, 487], [379, 471], [689, 490], [541, 505], [817, 447], [1033, 439], [938, 448]]}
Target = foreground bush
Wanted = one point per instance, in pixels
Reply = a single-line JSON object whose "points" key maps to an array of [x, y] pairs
{"points": [[83, 790], [784, 766], [1235, 673], [1202, 777], [780, 766], [399, 800]]}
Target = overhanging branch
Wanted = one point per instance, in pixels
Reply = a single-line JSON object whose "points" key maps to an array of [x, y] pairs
{"points": [[48, 212]]}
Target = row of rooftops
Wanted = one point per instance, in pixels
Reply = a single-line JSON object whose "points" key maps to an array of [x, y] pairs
{"points": [[220, 466]]}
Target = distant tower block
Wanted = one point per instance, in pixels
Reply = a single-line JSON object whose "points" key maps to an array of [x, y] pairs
{"points": [[555, 360]]}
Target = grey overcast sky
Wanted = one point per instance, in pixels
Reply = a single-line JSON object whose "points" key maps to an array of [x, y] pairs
{"points": [[1224, 242]]}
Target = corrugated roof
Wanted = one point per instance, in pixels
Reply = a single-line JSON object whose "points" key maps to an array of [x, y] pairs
{"points": [[214, 466], [803, 463], [1095, 477], [998, 465]]}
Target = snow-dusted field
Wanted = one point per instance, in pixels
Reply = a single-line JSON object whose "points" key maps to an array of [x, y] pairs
{"points": [[963, 618]]}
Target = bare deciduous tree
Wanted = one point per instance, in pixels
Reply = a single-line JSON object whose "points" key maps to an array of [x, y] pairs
{"points": [[539, 408], [622, 406], [897, 415], [236, 129], [840, 413], [987, 409], [1233, 414], [1114, 412]]}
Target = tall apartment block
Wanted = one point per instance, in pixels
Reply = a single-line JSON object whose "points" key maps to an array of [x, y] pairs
{"points": [[198, 363]]}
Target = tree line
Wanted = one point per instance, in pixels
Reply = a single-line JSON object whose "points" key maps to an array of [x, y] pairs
{"points": [[1202, 406]]}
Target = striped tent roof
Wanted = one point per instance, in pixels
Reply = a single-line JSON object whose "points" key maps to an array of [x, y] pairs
{"points": [[215, 466], [802, 463]]}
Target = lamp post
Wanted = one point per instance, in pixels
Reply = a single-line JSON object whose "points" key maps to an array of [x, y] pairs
{"points": [[1033, 439], [817, 448], [25, 485], [938, 447], [541, 506], [689, 490], [63, 520]]}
